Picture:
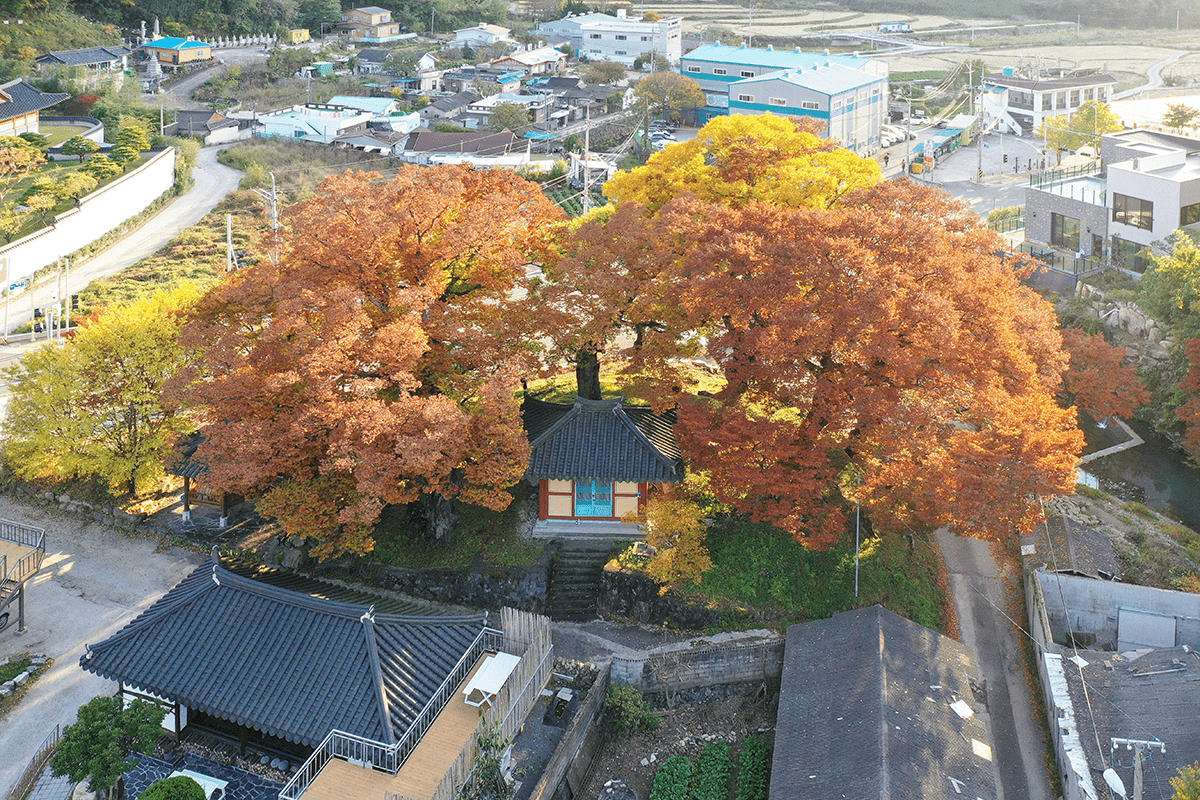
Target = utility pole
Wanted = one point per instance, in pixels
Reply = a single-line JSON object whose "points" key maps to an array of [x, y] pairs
{"points": [[67, 294], [1141, 748], [271, 200], [587, 156], [7, 295]]}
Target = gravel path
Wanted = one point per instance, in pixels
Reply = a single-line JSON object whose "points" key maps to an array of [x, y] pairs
{"points": [[94, 580]]}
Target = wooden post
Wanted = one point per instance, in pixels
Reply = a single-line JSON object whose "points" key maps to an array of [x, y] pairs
{"points": [[187, 499]]}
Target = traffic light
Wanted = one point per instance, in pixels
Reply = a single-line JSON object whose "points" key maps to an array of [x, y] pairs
{"points": [[1006, 158], [37, 313], [37, 327], [74, 302]]}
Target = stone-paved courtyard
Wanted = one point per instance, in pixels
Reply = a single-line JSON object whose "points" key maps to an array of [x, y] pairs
{"points": [[242, 785]]}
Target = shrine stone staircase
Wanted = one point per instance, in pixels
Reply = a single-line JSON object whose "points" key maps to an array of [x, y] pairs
{"points": [[576, 578]]}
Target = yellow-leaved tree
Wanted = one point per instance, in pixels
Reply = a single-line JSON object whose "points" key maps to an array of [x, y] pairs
{"points": [[740, 158], [94, 406], [675, 527]]}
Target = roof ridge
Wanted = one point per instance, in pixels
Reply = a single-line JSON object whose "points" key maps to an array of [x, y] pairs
{"points": [[642, 437], [368, 625]]}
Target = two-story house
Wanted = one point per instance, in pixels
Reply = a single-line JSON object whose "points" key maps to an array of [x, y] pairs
{"points": [[602, 37], [368, 24], [1148, 187], [1023, 97]]}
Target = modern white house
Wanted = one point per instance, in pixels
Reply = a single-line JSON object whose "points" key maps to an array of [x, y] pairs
{"points": [[482, 35], [313, 122], [602, 37], [533, 61], [1022, 97], [1148, 188]]}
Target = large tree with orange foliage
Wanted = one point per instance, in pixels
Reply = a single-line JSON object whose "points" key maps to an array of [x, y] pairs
{"points": [[1099, 380], [732, 161], [376, 362], [873, 349]]}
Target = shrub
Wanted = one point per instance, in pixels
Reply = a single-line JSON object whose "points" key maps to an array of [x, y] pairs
{"points": [[672, 779], [752, 770], [628, 710], [713, 770], [1140, 509], [181, 787]]}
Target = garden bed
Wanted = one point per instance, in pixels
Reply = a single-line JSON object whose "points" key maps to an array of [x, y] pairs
{"points": [[719, 713]]}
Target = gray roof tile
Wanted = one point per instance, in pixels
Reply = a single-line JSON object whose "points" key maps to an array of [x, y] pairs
{"points": [[85, 56], [864, 711], [18, 98], [602, 440], [284, 662]]}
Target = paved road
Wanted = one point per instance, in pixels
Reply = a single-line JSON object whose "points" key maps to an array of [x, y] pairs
{"points": [[1153, 77], [93, 581], [979, 598], [213, 181]]}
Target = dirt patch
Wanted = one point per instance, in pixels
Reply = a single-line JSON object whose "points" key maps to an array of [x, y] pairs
{"points": [[728, 714]]}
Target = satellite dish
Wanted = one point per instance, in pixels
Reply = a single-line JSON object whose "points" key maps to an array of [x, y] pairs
{"points": [[1114, 782]]}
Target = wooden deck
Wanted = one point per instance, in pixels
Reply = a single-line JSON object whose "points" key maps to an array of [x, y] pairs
{"points": [[425, 767]]}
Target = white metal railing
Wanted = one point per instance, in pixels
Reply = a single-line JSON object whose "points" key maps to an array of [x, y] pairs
{"points": [[29, 563], [378, 755]]}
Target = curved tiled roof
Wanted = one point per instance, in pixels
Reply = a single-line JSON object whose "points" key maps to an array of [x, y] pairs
{"points": [[284, 662], [18, 98], [602, 440]]}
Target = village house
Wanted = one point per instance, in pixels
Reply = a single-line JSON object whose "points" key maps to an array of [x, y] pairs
{"points": [[312, 122], [89, 66], [602, 37], [368, 24], [175, 50], [482, 35], [534, 61]]}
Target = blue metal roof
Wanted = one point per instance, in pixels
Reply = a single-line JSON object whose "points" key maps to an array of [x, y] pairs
{"points": [[778, 59], [176, 43], [827, 78], [375, 105]]}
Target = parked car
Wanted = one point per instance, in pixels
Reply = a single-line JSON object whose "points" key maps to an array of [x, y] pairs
{"points": [[667, 135]]}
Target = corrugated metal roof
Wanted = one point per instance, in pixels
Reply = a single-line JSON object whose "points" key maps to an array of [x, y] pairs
{"points": [[777, 59], [602, 440], [871, 705], [284, 662], [176, 43], [827, 78], [20, 98]]}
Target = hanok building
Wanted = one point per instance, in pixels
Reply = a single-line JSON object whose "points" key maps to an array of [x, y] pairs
{"points": [[275, 663], [90, 65], [598, 460], [21, 107], [175, 50], [874, 705]]}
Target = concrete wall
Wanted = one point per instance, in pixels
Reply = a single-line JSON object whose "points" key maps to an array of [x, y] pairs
{"points": [[1093, 607], [741, 657], [96, 215]]}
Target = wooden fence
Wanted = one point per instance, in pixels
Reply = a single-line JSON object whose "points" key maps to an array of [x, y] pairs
{"points": [[526, 635], [29, 778]]}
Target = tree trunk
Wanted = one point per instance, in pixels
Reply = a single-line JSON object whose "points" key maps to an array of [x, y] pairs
{"points": [[440, 516], [587, 374]]}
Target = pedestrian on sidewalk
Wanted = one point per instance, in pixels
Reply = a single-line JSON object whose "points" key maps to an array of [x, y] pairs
{"points": [[886, 158]]}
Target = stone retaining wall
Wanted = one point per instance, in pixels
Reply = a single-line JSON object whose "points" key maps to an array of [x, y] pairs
{"points": [[637, 596], [727, 658]]}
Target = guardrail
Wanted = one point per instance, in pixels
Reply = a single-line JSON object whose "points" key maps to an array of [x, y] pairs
{"points": [[377, 755], [33, 771]]}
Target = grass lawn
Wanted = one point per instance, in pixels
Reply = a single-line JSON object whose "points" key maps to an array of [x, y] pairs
{"points": [[758, 566], [57, 134], [400, 543]]}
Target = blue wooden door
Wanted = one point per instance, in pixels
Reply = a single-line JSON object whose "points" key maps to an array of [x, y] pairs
{"points": [[593, 499]]}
